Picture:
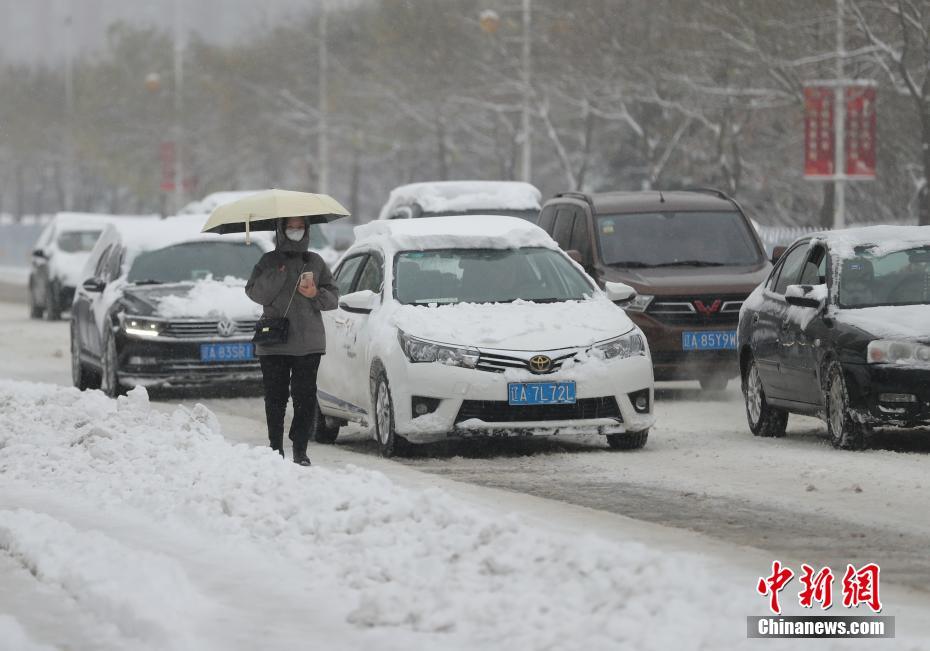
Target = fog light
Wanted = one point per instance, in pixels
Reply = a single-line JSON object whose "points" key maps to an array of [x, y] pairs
{"points": [[897, 397], [421, 406], [142, 361], [640, 401]]}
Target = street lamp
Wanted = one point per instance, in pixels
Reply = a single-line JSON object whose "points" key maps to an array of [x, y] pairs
{"points": [[490, 22]]}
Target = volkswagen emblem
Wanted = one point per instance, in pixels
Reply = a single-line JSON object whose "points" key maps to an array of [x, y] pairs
{"points": [[226, 328], [540, 364]]}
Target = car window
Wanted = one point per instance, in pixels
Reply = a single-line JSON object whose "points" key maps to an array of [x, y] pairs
{"points": [[564, 220], [547, 219], [815, 268], [345, 274], [102, 262], [791, 268], [114, 264], [371, 277], [193, 261], [580, 240]]}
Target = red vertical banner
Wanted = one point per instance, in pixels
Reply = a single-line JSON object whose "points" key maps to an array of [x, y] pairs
{"points": [[861, 128], [167, 154], [818, 132]]}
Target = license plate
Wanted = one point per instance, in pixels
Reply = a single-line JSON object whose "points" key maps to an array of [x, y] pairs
{"points": [[709, 340], [541, 393], [227, 352]]}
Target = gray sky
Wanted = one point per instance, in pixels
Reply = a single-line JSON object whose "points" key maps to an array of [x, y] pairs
{"points": [[35, 30]]}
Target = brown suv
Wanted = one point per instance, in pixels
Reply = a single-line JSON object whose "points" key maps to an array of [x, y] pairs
{"points": [[692, 256]]}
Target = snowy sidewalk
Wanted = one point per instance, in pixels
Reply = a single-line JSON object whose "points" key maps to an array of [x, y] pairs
{"points": [[146, 529]]}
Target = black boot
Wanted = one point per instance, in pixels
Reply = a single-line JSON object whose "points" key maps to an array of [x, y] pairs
{"points": [[300, 455]]}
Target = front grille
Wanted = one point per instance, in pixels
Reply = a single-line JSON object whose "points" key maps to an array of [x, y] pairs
{"points": [[499, 411], [205, 329], [498, 363], [685, 311]]}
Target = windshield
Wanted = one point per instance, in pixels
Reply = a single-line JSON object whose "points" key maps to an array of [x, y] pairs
{"points": [[77, 241], [487, 276], [899, 278], [194, 261], [677, 239], [528, 215]]}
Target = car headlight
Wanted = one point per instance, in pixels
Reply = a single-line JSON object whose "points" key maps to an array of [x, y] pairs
{"points": [[631, 344], [639, 303], [884, 351], [135, 326], [421, 351]]}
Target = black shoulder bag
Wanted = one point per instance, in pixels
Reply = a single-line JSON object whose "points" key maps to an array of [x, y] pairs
{"points": [[274, 330]]}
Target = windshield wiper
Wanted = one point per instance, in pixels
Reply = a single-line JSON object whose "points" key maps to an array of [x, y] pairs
{"points": [[149, 281], [545, 300], [631, 264], [690, 263]]}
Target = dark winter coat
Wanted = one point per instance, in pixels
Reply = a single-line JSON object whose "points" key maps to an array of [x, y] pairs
{"points": [[272, 283]]}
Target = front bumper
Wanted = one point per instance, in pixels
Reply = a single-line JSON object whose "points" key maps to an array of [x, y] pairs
{"points": [[165, 362], [867, 383], [672, 362], [470, 402]]}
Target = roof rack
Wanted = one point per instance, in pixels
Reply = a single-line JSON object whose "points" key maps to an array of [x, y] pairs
{"points": [[714, 191]]}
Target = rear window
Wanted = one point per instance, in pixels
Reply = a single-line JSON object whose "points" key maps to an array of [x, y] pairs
{"points": [[669, 239], [77, 241]]}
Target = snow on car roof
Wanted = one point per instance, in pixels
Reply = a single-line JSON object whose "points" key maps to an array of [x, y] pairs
{"points": [[458, 196], [75, 221], [883, 239], [471, 232], [147, 235]]}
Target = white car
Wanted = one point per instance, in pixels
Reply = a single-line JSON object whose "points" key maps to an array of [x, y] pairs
{"points": [[447, 198], [477, 326]]}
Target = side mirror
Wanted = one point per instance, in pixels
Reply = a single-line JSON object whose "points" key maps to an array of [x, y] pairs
{"points": [[362, 302], [810, 296], [778, 252], [619, 292], [39, 253], [94, 285]]}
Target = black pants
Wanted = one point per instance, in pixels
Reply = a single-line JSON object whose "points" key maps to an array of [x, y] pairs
{"points": [[280, 372]]}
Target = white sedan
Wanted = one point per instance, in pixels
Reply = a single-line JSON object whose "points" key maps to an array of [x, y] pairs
{"points": [[478, 326]]}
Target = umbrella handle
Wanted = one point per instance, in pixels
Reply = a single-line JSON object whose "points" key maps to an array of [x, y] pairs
{"points": [[248, 234]]}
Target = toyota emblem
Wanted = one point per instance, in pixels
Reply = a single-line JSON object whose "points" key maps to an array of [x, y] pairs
{"points": [[540, 364], [226, 328]]}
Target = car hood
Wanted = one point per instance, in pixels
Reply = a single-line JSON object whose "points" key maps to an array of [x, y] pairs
{"points": [[675, 281], [908, 322], [520, 326], [206, 299]]}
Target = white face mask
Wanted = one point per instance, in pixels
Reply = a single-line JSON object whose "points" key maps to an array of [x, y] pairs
{"points": [[294, 234]]}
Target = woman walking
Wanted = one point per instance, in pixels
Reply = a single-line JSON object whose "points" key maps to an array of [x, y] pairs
{"points": [[294, 283]]}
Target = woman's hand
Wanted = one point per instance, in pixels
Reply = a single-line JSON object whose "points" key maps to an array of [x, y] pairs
{"points": [[307, 288]]}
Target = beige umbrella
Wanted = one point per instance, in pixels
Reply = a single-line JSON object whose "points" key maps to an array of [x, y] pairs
{"points": [[258, 212]]}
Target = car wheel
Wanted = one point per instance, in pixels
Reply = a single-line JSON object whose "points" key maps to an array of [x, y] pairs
{"points": [[325, 429], [109, 381], [845, 432], [628, 440], [80, 376], [52, 303], [714, 382], [35, 311], [389, 441], [764, 420]]}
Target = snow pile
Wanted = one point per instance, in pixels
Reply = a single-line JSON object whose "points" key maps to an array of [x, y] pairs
{"points": [[15, 638], [460, 196], [389, 556], [209, 298], [890, 321], [471, 232]]}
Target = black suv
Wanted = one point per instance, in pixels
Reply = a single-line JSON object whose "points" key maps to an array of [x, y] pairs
{"points": [[692, 256]]}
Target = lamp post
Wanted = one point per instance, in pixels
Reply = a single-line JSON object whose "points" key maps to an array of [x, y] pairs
{"points": [[69, 112], [839, 124], [490, 23]]}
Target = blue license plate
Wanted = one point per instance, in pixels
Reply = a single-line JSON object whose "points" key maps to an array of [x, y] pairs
{"points": [[708, 340], [541, 393], [241, 352]]}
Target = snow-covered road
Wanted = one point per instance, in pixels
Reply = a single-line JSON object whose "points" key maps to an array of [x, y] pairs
{"points": [[716, 491]]}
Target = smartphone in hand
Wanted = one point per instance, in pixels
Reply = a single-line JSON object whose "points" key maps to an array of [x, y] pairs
{"points": [[306, 278]]}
